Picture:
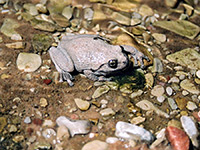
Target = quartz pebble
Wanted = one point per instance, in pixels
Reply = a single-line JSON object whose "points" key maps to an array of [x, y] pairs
{"points": [[157, 65], [157, 90], [191, 106], [95, 145], [137, 120], [136, 94], [198, 73], [147, 105], [174, 80], [149, 80], [111, 140], [43, 102], [48, 123], [107, 112], [100, 91], [161, 99], [82, 104], [74, 126], [16, 37], [62, 133], [189, 86], [159, 37], [160, 137], [28, 62], [190, 128], [172, 103], [130, 131], [48, 133], [27, 120], [169, 91], [15, 45]]}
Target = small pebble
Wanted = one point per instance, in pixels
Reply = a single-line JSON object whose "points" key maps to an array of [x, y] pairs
{"points": [[107, 112], [161, 99], [198, 73], [27, 120], [169, 91], [48, 133], [12, 129], [137, 120], [16, 37], [48, 123], [172, 103], [174, 80], [43, 102], [47, 81], [190, 128], [191, 106], [184, 92], [62, 133], [111, 140], [95, 145], [157, 90], [82, 104]]}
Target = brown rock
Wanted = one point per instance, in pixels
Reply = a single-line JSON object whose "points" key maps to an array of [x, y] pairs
{"points": [[177, 137]]}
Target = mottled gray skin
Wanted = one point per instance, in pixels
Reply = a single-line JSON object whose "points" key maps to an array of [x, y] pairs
{"points": [[92, 55]]}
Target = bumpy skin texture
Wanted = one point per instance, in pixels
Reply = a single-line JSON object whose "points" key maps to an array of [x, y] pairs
{"points": [[92, 55]]}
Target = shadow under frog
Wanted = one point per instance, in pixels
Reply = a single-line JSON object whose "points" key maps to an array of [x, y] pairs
{"points": [[92, 55]]}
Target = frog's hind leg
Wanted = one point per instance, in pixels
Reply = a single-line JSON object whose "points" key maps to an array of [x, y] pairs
{"points": [[63, 64]]}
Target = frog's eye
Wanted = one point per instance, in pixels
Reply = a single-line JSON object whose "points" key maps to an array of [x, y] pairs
{"points": [[113, 63]]}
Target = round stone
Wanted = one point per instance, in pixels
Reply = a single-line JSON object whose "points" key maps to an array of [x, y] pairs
{"points": [[43, 102], [157, 90], [191, 106], [27, 120], [161, 99], [169, 91], [198, 73], [28, 62], [82, 104], [96, 144], [107, 112], [159, 37]]}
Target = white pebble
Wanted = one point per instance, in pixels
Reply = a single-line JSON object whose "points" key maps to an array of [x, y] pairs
{"points": [[27, 120], [161, 99], [182, 76], [191, 106], [184, 92], [174, 80], [190, 128], [111, 140], [169, 91], [198, 73]]}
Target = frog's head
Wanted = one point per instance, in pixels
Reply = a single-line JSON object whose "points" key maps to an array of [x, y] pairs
{"points": [[114, 64]]}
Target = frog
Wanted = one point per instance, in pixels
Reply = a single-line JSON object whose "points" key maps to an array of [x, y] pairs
{"points": [[93, 55]]}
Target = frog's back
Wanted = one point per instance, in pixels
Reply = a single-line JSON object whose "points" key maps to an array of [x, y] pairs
{"points": [[87, 52]]}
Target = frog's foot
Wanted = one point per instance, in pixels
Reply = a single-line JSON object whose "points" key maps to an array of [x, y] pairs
{"points": [[66, 76], [138, 56]]}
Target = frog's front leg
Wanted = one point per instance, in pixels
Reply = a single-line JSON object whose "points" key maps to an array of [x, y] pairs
{"points": [[137, 55], [63, 64], [94, 76]]}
